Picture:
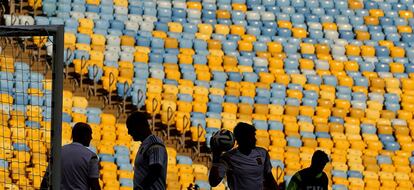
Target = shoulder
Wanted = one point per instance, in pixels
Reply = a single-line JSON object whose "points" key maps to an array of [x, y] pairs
{"points": [[302, 173], [80, 150], [229, 154], [324, 176], [296, 177], [152, 140], [261, 151]]}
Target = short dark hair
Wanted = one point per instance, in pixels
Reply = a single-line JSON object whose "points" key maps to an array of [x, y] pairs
{"points": [[80, 130], [242, 129], [137, 119], [320, 156]]}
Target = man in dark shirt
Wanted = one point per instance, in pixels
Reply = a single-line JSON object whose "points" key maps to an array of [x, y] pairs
{"points": [[312, 178], [80, 169], [150, 167], [247, 167]]}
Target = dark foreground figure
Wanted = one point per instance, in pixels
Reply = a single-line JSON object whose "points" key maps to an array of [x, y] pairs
{"points": [[312, 178], [247, 167], [150, 167], [80, 169]]}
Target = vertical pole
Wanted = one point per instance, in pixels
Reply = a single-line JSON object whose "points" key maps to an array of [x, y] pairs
{"points": [[57, 86]]}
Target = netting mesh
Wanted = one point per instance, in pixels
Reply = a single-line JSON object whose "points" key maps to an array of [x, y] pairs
{"points": [[26, 111]]}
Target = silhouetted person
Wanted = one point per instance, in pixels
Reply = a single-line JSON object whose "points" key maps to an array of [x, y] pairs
{"points": [[247, 166], [150, 167], [80, 169], [312, 178]]}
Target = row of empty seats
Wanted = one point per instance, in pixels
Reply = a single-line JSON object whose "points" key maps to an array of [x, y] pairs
{"points": [[317, 74]]}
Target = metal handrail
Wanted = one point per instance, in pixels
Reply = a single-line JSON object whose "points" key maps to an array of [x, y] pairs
{"points": [[186, 124], [83, 65], [95, 70], [140, 97], [198, 151], [111, 82], [154, 108], [170, 114], [125, 95], [35, 7], [69, 53]]}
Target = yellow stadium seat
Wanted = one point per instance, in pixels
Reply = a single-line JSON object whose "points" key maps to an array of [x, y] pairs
{"points": [[159, 34], [121, 3], [370, 20], [376, 13], [404, 29], [198, 134], [239, 7], [245, 46], [405, 14], [223, 14], [98, 42], [396, 67], [86, 26], [274, 47], [214, 44], [141, 57], [299, 33], [322, 49], [127, 41], [229, 124], [184, 106], [35, 4], [237, 30], [175, 27], [93, 2], [194, 5], [222, 29], [70, 40], [306, 64], [202, 36], [248, 38], [362, 35], [200, 107], [352, 50], [142, 49], [205, 29], [307, 48], [284, 24], [245, 108]]}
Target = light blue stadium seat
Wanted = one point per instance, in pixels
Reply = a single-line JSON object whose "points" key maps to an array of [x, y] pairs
{"points": [[250, 77], [294, 142], [21, 147], [184, 160], [126, 182]]}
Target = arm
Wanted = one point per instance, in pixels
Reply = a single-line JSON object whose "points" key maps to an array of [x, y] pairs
{"points": [[154, 172], [294, 183], [217, 171], [45, 181], [269, 180], [156, 155], [94, 183], [93, 173], [325, 181]]}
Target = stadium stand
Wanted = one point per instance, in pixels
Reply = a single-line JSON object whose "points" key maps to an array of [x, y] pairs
{"points": [[314, 74]]}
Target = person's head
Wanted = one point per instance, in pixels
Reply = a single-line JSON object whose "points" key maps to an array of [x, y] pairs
{"points": [[245, 135], [319, 160], [82, 133], [138, 126]]}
